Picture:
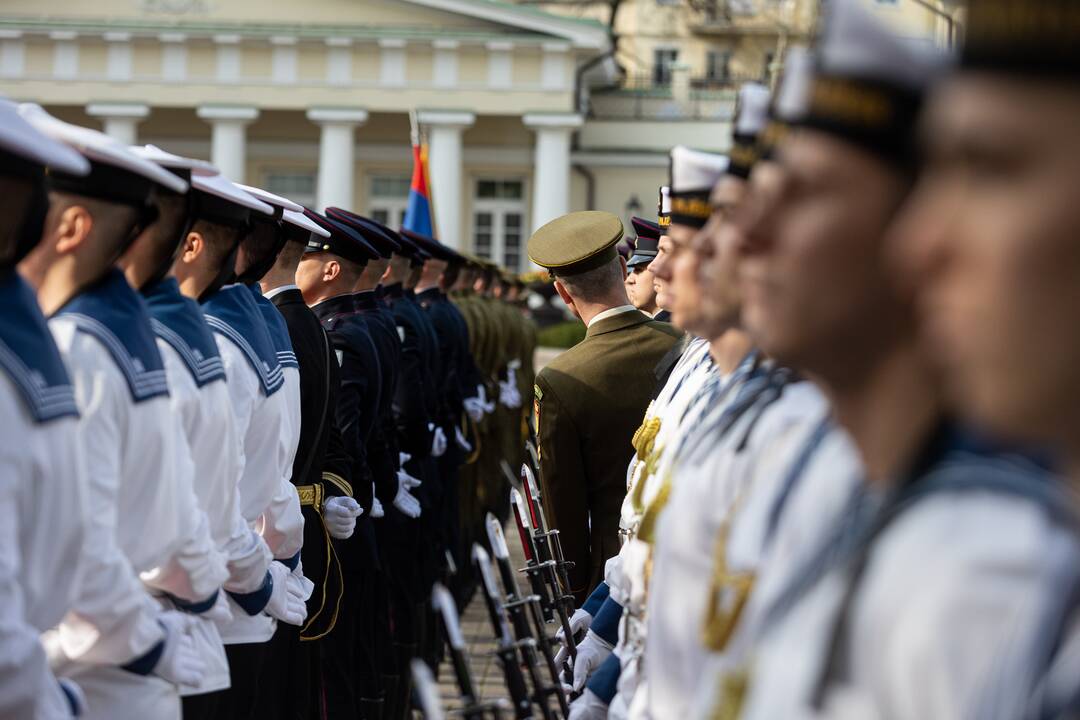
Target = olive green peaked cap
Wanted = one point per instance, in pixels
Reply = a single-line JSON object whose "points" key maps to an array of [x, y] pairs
{"points": [[576, 243]]}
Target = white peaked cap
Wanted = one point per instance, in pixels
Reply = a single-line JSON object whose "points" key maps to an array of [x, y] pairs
{"points": [[19, 137], [219, 186], [271, 199], [753, 109], [166, 159], [665, 200], [693, 170], [856, 43], [99, 147], [302, 221], [793, 92]]}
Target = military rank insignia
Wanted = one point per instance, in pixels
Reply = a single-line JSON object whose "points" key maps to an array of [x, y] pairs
{"points": [[538, 395]]}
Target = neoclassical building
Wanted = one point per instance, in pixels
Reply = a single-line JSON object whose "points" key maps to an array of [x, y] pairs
{"points": [[525, 114], [312, 99]]}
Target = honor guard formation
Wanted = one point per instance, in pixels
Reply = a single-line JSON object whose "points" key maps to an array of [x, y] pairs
{"points": [[816, 455]]}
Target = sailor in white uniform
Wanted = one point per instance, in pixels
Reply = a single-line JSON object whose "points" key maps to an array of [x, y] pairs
{"points": [[199, 397], [205, 264], [42, 486], [149, 536], [913, 605]]}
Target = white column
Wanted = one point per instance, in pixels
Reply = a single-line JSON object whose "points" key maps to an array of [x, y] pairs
{"points": [[228, 137], [120, 120], [551, 172], [445, 165], [336, 154]]}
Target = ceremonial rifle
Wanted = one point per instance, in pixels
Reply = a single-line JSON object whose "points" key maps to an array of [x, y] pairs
{"points": [[472, 708], [532, 567], [426, 691], [522, 609], [506, 649], [549, 554]]}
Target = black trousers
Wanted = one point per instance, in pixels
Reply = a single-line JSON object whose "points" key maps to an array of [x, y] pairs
{"points": [[289, 684], [238, 701]]}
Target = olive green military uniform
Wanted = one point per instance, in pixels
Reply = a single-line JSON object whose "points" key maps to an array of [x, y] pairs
{"points": [[589, 401]]}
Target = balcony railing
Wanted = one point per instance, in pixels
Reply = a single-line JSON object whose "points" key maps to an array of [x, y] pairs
{"points": [[642, 98]]}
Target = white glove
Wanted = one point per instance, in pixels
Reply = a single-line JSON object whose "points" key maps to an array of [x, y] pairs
{"points": [[588, 707], [407, 481], [459, 438], [306, 586], [180, 663], [219, 614], [509, 395], [403, 457], [406, 503], [481, 396], [286, 599], [591, 654], [474, 408], [74, 695], [377, 509], [579, 621], [339, 514], [438, 440]]}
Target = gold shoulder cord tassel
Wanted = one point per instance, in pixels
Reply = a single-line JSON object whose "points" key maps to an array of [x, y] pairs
{"points": [[312, 496], [729, 591], [733, 687], [647, 528]]}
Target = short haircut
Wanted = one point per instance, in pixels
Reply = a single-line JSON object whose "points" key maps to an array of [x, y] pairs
{"points": [[220, 239], [289, 257], [113, 222], [594, 285]]}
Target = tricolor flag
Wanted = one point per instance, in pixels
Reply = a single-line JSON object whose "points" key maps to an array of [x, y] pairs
{"points": [[418, 217]]}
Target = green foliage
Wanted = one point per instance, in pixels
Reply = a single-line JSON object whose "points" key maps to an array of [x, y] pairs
{"points": [[562, 335]]}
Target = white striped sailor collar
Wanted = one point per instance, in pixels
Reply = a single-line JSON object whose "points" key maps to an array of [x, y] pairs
{"points": [[179, 321], [113, 313], [232, 313]]}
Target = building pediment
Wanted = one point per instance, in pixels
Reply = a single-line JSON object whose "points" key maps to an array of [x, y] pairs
{"points": [[358, 20]]}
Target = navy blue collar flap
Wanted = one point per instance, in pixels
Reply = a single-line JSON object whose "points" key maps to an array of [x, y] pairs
{"points": [[117, 317], [178, 321], [232, 313], [29, 355], [275, 325]]}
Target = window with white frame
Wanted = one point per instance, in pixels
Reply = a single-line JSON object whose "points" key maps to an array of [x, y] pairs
{"points": [[297, 185], [498, 221], [388, 196]]}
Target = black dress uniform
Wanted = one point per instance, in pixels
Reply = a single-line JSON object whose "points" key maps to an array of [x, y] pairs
{"points": [[321, 468], [351, 670]]}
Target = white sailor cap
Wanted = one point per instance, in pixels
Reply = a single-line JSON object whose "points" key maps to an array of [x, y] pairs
{"points": [[751, 115], [693, 175], [793, 91], [753, 109], [222, 201], [271, 199], [106, 156], [855, 42], [300, 220], [20, 138], [663, 211], [168, 160], [791, 100], [869, 83]]}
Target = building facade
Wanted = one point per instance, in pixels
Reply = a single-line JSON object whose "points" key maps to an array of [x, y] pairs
{"points": [[312, 100]]}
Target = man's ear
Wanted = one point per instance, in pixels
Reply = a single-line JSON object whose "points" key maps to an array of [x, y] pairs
{"points": [[194, 246], [331, 270], [72, 228], [561, 289]]}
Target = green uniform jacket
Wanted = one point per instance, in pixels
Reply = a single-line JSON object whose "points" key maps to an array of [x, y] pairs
{"points": [[588, 402]]}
